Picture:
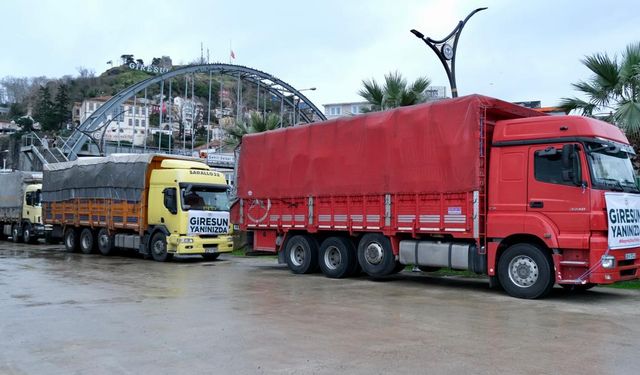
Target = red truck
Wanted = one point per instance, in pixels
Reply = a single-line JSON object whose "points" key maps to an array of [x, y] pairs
{"points": [[472, 183]]}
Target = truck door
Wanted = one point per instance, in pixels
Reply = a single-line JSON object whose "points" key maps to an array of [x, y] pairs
{"points": [[558, 189]]}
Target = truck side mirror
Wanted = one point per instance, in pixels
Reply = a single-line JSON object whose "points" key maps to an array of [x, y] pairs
{"points": [[170, 201], [571, 164]]}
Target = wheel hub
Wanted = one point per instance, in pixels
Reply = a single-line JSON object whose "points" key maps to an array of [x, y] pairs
{"points": [[373, 253], [523, 271], [297, 255], [158, 247], [332, 258]]}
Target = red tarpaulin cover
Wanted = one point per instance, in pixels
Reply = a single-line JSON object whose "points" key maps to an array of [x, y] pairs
{"points": [[426, 148]]}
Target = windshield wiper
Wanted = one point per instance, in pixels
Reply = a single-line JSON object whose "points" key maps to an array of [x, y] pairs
{"points": [[612, 182], [631, 185]]}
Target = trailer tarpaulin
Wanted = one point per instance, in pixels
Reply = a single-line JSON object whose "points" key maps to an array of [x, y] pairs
{"points": [[432, 147], [112, 177]]}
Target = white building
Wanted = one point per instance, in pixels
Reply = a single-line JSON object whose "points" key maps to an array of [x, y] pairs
{"points": [[190, 112], [127, 123], [335, 110]]}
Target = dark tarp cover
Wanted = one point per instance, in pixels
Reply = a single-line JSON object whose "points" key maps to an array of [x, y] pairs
{"points": [[432, 147], [119, 177]]}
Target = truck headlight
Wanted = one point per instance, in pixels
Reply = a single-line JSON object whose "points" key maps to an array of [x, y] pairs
{"points": [[185, 240], [608, 261]]}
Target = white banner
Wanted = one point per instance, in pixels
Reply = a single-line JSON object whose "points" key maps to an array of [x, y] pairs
{"points": [[623, 216], [207, 223]]}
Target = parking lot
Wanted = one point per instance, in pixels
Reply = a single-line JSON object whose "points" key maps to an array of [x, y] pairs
{"points": [[64, 313]]}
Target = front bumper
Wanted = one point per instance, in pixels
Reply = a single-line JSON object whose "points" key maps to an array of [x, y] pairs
{"points": [[186, 245], [626, 264], [38, 230]]}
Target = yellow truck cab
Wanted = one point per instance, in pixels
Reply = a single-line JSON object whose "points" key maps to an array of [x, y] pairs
{"points": [[192, 203], [32, 213], [20, 208]]}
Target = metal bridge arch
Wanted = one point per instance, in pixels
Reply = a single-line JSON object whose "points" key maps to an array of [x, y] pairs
{"points": [[270, 83]]}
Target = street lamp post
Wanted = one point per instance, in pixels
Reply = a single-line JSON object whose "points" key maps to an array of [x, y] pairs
{"points": [[447, 52], [4, 159], [297, 104]]}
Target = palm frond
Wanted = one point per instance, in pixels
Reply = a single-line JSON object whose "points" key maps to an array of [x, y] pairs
{"points": [[627, 116], [576, 104], [372, 92], [606, 70]]}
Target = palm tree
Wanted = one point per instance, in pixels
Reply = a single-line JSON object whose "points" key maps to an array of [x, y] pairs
{"points": [[395, 92], [256, 124], [613, 91]]}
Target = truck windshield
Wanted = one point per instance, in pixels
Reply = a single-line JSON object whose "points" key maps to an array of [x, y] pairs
{"points": [[611, 167], [204, 197]]}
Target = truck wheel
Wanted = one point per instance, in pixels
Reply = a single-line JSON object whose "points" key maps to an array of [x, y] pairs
{"points": [[87, 243], [158, 248], [375, 255], [301, 254], [27, 234], [71, 240], [338, 257], [15, 233], [210, 257], [105, 242], [525, 271]]}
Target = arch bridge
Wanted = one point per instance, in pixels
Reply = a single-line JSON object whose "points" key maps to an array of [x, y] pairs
{"points": [[303, 109]]}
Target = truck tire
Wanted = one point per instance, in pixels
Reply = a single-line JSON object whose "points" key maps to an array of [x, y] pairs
{"points": [[158, 248], [71, 240], [105, 242], [375, 255], [15, 233], [27, 234], [210, 257], [87, 242], [301, 254], [338, 257], [525, 271]]}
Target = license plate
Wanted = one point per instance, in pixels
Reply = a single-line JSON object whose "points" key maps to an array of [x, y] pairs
{"points": [[211, 250], [630, 256]]}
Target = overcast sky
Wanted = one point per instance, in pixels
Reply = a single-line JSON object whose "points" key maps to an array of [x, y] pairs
{"points": [[515, 50]]}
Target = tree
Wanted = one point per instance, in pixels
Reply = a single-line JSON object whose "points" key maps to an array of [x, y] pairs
{"points": [[613, 90], [395, 92], [44, 112], [17, 110], [127, 59], [256, 124], [25, 123], [60, 109]]}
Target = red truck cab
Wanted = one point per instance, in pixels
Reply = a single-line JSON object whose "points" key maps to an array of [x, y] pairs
{"points": [[549, 179]]}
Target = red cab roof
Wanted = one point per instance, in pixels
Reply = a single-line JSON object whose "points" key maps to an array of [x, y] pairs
{"points": [[555, 127]]}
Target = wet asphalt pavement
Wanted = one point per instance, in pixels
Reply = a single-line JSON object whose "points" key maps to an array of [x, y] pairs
{"points": [[66, 313]]}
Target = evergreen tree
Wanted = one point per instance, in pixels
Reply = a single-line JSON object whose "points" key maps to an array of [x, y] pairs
{"points": [[61, 110], [44, 113]]}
